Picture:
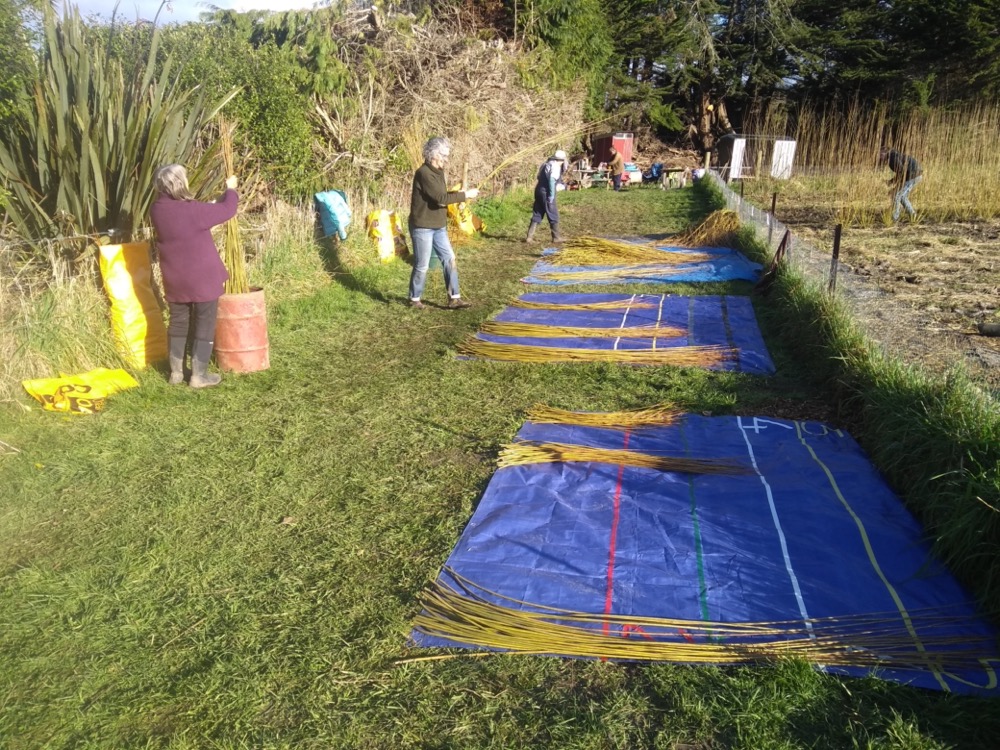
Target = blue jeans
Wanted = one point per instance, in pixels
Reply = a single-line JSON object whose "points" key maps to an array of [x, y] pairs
{"points": [[425, 240], [902, 199]]}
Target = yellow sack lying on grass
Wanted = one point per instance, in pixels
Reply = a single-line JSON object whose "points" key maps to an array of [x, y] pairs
{"points": [[386, 230], [462, 216], [135, 315], [79, 394]]}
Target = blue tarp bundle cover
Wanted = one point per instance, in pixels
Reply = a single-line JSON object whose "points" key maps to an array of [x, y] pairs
{"points": [[710, 320], [728, 265], [334, 213], [810, 534]]}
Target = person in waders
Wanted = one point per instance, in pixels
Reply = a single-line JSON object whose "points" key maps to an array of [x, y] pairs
{"points": [[549, 176]]}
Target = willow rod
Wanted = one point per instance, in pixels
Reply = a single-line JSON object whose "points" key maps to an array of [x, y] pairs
{"points": [[233, 256], [461, 617], [542, 145], [690, 356], [653, 416], [533, 330], [625, 304], [532, 452], [616, 272]]}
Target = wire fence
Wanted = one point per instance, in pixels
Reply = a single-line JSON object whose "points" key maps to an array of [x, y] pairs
{"points": [[898, 329]]}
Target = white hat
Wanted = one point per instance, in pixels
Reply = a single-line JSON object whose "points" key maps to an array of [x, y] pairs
{"points": [[560, 155]]}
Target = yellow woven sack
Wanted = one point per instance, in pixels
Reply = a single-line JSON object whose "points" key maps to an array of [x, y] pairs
{"points": [[135, 315], [399, 238], [462, 217], [379, 226], [79, 394]]}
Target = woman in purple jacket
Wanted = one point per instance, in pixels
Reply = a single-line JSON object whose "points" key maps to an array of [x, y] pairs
{"points": [[193, 273]]}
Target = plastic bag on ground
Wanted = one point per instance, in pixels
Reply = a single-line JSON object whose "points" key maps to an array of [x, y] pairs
{"points": [[79, 394], [334, 213]]}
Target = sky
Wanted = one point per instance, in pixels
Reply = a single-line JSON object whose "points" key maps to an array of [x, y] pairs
{"points": [[180, 11]]}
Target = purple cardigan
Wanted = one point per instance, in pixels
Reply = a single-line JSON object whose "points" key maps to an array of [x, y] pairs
{"points": [[189, 260]]}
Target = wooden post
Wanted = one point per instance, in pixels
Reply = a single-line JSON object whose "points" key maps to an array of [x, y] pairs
{"points": [[741, 190], [835, 261]]}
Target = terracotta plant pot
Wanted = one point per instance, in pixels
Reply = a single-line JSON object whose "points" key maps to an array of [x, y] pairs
{"points": [[241, 333]]}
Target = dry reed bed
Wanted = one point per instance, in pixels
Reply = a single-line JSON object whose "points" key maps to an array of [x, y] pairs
{"points": [[837, 150]]}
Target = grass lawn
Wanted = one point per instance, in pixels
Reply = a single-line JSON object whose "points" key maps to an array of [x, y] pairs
{"points": [[238, 567]]}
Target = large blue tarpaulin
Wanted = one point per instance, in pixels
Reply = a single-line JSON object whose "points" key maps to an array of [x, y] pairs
{"points": [[811, 531], [726, 265], [711, 320]]}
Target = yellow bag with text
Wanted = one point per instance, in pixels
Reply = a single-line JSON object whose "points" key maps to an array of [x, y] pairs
{"points": [[402, 249], [379, 226], [136, 318], [461, 216], [79, 394]]}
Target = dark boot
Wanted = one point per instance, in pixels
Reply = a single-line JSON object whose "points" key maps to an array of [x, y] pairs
{"points": [[175, 353], [201, 352], [531, 231], [556, 237]]}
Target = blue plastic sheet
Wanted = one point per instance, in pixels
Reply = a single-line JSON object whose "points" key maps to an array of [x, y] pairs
{"points": [[811, 531], [334, 213], [727, 265], [710, 320]]}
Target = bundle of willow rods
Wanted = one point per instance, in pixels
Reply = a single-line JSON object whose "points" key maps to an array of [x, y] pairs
{"points": [[534, 452], [680, 356], [717, 230], [465, 615], [624, 304], [233, 256], [653, 416], [534, 330], [597, 251], [618, 272]]}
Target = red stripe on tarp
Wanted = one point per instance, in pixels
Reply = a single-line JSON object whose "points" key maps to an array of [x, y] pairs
{"points": [[614, 537]]}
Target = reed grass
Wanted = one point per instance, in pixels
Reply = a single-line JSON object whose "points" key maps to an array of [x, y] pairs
{"points": [[837, 171], [653, 416], [532, 330], [532, 452], [680, 356], [718, 229]]}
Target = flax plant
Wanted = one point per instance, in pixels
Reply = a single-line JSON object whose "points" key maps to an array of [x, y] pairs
{"points": [[81, 159]]}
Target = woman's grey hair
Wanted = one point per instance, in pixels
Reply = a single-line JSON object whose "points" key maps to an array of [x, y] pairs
{"points": [[434, 148], [172, 180]]}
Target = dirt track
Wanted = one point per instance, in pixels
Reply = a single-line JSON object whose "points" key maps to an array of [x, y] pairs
{"points": [[928, 285]]}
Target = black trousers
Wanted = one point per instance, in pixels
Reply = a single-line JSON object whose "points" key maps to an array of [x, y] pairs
{"points": [[193, 320]]}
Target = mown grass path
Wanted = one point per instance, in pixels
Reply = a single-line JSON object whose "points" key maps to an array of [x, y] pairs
{"points": [[238, 567]]}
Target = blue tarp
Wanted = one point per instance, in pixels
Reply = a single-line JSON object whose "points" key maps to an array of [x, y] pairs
{"points": [[710, 320], [811, 531], [728, 265]]}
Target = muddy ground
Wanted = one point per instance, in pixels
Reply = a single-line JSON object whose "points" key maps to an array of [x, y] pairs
{"points": [[920, 288]]}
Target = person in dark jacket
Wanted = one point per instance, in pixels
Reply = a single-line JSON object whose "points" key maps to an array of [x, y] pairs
{"points": [[906, 175], [549, 176], [428, 223], [193, 273], [617, 167]]}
